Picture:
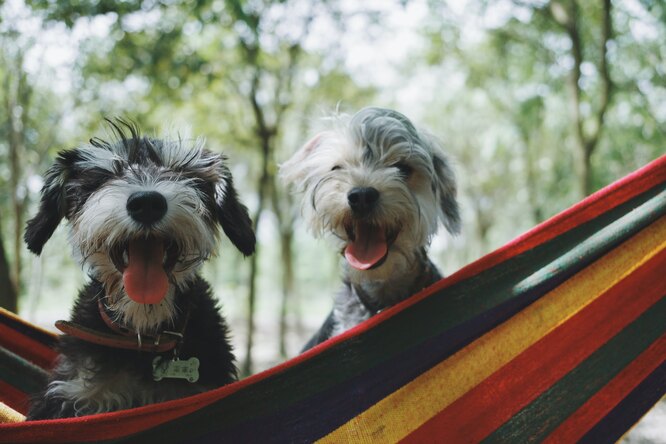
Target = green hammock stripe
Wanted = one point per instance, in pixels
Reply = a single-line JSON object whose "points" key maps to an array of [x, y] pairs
{"points": [[630, 410], [21, 374], [537, 420]]}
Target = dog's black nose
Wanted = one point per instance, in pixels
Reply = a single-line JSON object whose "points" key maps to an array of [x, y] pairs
{"points": [[362, 200], [146, 207]]}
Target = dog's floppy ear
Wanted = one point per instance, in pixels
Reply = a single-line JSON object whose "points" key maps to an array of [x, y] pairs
{"points": [[445, 184], [296, 169], [233, 216], [53, 205]]}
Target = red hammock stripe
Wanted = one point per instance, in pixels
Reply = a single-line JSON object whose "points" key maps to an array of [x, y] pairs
{"points": [[596, 408], [103, 426], [491, 403], [629, 410], [13, 397], [27, 347]]}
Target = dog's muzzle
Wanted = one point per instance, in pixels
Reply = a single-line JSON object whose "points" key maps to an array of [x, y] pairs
{"points": [[144, 275], [368, 243]]}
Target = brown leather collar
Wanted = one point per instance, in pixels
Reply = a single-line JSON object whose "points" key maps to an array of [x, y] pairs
{"points": [[124, 338], [120, 329]]}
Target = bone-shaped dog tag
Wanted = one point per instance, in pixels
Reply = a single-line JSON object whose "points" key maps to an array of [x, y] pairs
{"points": [[175, 368]]}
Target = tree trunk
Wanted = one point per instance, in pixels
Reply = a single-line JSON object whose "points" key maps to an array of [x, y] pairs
{"points": [[266, 133], [17, 97], [531, 184], [8, 296], [13, 140], [264, 179], [582, 169], [586, 144], [286, 226], [286, 239], [482, 226]]}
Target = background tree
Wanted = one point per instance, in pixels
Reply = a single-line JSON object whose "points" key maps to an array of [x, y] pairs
{"points": [[28, 119], [271, 75], [587, 128], [16, 92], [8, 297], [512, 66]]}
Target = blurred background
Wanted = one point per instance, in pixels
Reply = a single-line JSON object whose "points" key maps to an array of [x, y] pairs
{"points": [[539, 102]]}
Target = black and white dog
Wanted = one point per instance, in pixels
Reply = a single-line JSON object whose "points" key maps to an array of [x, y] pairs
{"points": [[379, 187], [144, 215]]}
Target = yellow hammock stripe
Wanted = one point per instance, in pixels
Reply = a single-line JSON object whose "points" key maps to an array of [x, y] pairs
{"points": [[7, 414], [397, 415]]}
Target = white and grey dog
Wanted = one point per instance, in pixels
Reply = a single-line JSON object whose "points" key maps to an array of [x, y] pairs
{"points": [[144, 215], [379, 187]]}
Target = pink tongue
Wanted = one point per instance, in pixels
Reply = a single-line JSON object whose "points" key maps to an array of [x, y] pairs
{"points": [[369, 247], [144, 278]]}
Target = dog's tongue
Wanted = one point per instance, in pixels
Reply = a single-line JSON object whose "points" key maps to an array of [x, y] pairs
{"points": [[144, 278], [368, 248]]}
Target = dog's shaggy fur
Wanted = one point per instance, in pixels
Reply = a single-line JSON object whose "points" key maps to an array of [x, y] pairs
{"points": [[158, 203], [379, 187]]}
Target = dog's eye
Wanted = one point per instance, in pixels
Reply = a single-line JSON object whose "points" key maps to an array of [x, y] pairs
{"points": [[336, 167], [405, 170]]}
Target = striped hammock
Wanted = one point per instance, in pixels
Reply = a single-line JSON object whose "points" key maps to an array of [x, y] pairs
{"points": [[558, 336]]}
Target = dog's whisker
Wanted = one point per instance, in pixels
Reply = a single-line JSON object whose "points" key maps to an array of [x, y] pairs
{"points": [[319, 183]]}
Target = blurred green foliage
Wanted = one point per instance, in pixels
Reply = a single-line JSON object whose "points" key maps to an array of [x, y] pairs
{"points": [[490, 78]]}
